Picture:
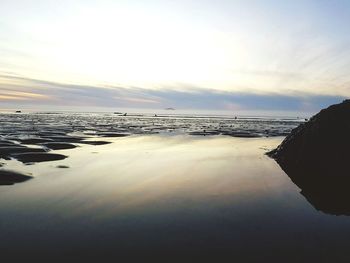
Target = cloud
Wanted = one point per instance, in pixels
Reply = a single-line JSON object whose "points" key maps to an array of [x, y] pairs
{"points": [[137, 100], [18, 91], [19, 95]]}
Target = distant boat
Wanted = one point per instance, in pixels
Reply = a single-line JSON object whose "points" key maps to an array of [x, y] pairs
{"points": [[120, 113], [18, 111], [169, 109]]}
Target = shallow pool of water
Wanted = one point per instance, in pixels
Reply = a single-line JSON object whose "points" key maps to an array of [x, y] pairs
{"points": [[168, 199]]}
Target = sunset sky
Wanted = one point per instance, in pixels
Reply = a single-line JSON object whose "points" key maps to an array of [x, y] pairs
{"points": [[220, 55]]}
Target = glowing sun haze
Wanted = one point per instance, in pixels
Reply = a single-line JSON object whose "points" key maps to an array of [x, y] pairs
{"points": [[141, 53]]}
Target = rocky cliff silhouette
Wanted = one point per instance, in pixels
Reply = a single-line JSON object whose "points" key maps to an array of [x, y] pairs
{"points": [[316, 156]]}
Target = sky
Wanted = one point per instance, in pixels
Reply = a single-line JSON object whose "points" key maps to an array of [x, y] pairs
{"points": [[232, 55]]}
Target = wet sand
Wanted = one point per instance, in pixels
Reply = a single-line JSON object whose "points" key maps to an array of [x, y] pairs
{"points": [[166, 199], [46, 127]]}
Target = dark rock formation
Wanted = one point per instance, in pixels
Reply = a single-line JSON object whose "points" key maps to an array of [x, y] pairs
{"points": [[95, 142], [112, 134], [7, 152], [62, 166], [34, 157], [9, 177], [33, 140], [58, 145], [316, 156], [64, 138]]}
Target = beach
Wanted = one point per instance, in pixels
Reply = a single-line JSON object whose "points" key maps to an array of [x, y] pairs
{"points": [[174, 131], [167, 198]]}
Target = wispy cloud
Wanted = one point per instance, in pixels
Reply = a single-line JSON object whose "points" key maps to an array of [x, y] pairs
{"points": [[18, 91], [19, 95], [137, 100]]}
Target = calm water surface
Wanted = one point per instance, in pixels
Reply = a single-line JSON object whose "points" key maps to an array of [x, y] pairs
{"points": [[166, 199]]}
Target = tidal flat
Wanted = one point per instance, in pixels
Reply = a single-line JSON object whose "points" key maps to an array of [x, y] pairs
{"points": [[165, 198]]}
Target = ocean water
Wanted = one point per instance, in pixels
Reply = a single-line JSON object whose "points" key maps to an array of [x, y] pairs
{"points": [[161, 194]]}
